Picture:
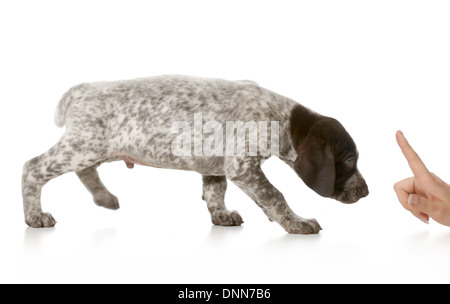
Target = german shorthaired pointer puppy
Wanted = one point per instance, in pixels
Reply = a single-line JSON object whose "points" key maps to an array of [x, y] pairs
{"points": [[138, 121]]}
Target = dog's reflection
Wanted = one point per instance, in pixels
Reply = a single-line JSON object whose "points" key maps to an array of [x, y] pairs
{"points": [[33, 240]]}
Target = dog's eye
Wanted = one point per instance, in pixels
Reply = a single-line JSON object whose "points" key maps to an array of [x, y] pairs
{"points": [[349, 162]]}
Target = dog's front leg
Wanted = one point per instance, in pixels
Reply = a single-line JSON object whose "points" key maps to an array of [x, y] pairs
{"points": [[214, 188], [246, 173]]}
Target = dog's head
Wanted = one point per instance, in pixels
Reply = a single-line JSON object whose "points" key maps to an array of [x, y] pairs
{"points": [[327, 157]]}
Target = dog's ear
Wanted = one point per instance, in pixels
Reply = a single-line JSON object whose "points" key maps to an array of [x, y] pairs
{"points": [[315, 165]]}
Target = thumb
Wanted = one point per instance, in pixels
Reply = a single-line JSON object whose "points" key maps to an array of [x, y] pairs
{"points": [[420, 203]]}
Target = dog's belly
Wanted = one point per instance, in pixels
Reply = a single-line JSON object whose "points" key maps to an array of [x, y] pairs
{"points": [[211, 165], [154, 144]]}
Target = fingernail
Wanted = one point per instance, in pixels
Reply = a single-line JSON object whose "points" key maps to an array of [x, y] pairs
{"points": [[413, 200], [423, 220]]}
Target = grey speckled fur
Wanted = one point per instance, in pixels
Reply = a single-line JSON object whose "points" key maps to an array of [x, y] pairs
{"points": [[132, 120]]}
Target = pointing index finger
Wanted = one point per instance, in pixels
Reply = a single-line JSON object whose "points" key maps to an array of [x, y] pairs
{"points": [[414, 161]]}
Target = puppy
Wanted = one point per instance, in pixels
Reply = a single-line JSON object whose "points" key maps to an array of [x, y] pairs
{"points": [[215, 127]]}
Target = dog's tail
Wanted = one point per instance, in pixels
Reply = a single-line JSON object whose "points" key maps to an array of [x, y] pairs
{"points": [[61, 109]]}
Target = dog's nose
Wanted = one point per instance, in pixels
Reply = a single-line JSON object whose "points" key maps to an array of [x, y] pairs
{"points": [[365, 191]]}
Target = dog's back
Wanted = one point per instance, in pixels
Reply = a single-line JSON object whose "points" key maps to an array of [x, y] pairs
{"points": [[164, 99]]}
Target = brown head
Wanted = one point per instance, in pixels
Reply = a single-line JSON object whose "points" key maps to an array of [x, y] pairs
{"points": [[327, 156]]}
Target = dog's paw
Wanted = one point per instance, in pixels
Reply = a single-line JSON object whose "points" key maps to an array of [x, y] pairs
{"points": [[298, 225], [226, 218], [40, 220], [107, 200]]}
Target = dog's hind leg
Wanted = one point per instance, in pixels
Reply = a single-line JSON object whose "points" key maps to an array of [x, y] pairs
{"points": [[70, 154], [214, 188], [102, 197]]}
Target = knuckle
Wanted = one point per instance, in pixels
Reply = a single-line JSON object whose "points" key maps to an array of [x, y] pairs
{"points": [[397, 186]]}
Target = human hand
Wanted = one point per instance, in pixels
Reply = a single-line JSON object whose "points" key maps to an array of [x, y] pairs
{"points": [[425, 195]]}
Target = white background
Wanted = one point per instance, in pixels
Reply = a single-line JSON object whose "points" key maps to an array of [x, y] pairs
{"points": [[376, 66]]}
